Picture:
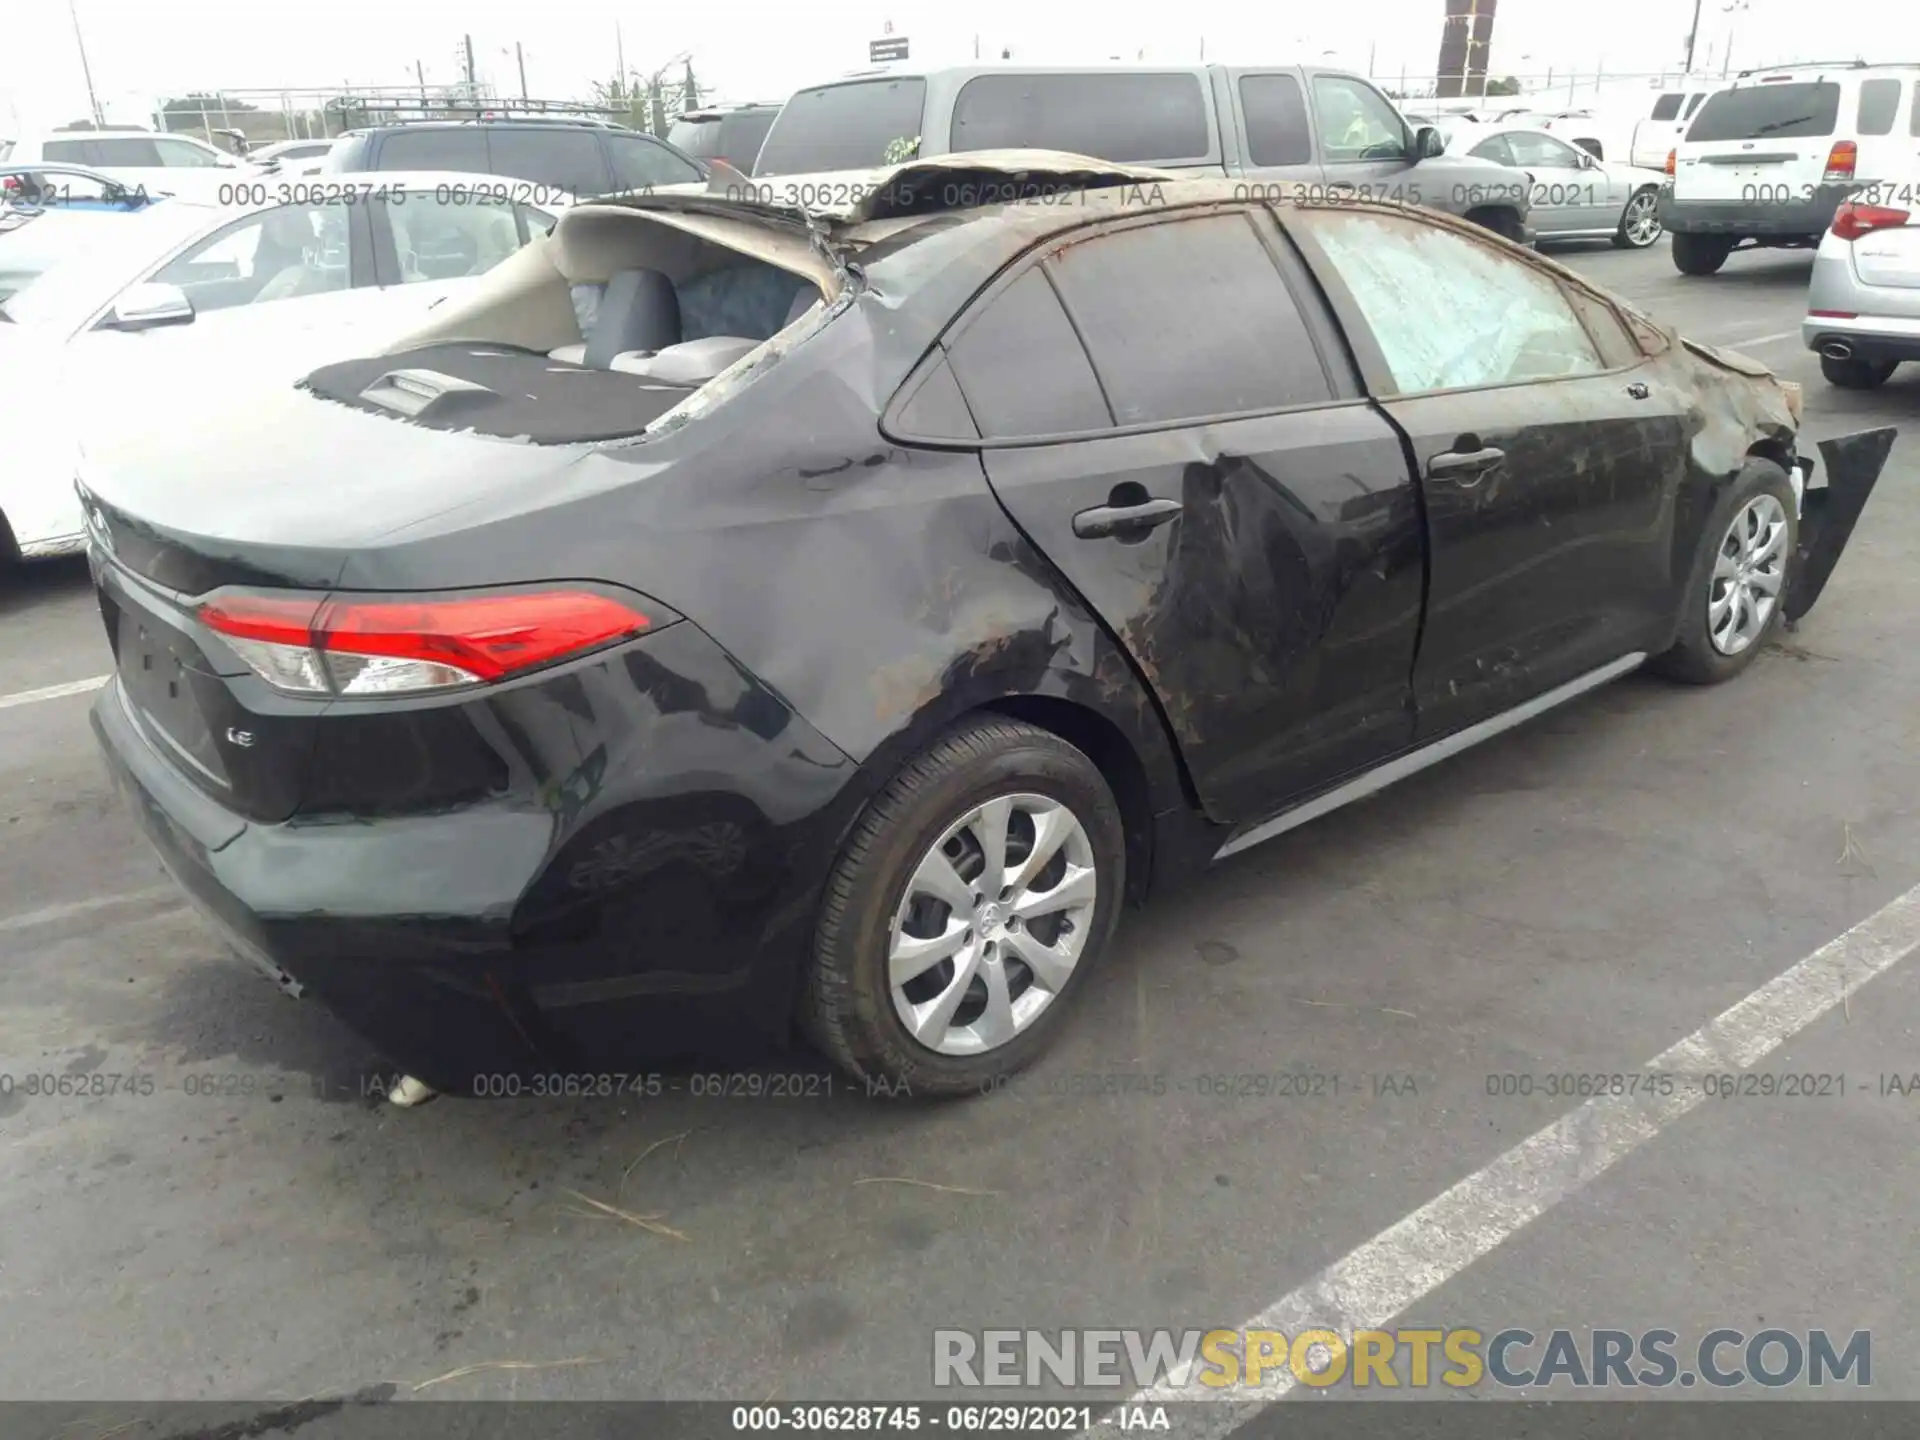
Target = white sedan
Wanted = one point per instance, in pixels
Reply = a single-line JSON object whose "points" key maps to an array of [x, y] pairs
{"points": [[150, 320], [1574, 195]]}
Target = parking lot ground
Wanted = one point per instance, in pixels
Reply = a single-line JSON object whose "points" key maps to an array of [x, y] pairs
{"points": [[1574, 897]]}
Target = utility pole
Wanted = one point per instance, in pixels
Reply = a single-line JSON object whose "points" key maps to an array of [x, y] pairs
{"points": [[93, 101], [420, 74], [620, 57], [521, 59], [1693, 35], [468, 42]]}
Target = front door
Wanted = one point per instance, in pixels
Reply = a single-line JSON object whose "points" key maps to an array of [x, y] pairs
{"points": [[1551, 458], [1214, 487]]}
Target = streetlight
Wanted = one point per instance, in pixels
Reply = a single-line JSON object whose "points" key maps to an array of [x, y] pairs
{"points": [[1732, 8], [93, 102]]}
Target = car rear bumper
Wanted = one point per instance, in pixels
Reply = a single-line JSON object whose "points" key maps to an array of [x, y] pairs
{"points": [[1867, 337], [1744, 219], [630, 921]]}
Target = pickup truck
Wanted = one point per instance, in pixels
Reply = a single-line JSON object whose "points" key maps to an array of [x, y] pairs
{"points": [[1296, 128]]}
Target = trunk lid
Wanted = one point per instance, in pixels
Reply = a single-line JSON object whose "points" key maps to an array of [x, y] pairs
{"points": [[1889, 257]]}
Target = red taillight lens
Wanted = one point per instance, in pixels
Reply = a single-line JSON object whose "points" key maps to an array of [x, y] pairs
{"points": [[1672, 156], [1852, 220], [1841, 159], [351, 646]]}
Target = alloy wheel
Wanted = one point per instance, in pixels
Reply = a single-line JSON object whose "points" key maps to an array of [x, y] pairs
{"points": [[992, 923], [1641, 223], [1748, 574]]}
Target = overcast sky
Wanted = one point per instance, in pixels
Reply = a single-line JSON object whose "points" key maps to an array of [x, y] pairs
{"points": [[764, 51]]}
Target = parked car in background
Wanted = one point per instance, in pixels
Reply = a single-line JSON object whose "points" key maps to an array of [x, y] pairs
{"points": [[1863, 305], [1573, 196], [927, 585], [1665, 122], [1770, 159], [69, 187], [289, 157], [185, 291], [32, 241], [157, 163], [1290, 128], [729, 134], [571, 157]]}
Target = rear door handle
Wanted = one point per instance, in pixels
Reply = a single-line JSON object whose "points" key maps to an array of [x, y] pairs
{"points": [[1104, 521], [1464, 462]]}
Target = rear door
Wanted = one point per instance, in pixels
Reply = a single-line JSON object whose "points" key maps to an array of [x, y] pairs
{"points": [[1273, 129], [562, 158], [1551, 456], [1764, 143], [1206, 474]]}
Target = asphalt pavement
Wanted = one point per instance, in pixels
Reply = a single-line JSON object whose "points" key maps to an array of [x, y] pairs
{"points": [[1576, 897]]}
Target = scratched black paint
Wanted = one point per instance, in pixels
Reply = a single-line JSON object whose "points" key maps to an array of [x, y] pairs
{"points": [[623, 857]]}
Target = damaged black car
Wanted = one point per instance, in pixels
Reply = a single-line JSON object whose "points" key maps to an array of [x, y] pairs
{"points": [[740, 621]]}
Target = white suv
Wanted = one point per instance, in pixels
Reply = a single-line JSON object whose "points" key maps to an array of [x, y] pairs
{"points": [[159, 164], [1770, 158]]}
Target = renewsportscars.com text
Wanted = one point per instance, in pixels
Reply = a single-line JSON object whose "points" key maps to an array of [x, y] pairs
{"points": [[1458, 1358]]}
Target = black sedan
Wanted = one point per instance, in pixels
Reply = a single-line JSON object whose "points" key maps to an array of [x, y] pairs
{"points": [[739, 617]]}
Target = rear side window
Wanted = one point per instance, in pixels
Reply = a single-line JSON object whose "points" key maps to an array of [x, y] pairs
{"points": [[75, 152], [639, 164], [1119, 117], [845, 127], [131, 150], [463, 150], [1276, 116], [1189, 319], [698, 138], [1694, 102], [742, 135], [1879, 103], [554, 155], [1667, 107], [1495, 150], [1790, 111], [1022, 370]]}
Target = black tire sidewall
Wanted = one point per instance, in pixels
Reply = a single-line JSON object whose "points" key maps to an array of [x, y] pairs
{"points": [[1035, 763], [1694, 654]]}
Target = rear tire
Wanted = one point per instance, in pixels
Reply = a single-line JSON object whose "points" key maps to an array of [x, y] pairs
{"points": [[1700, 254], [1857, 374], [881, 900], [1698, 657]]}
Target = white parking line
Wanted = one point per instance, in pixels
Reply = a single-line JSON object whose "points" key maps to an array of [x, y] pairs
{"points": [[52, 692], [53, 913], [1410, 1259]]}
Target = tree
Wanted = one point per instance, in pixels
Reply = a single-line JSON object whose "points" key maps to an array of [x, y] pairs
{"points": [[1506, 85]]}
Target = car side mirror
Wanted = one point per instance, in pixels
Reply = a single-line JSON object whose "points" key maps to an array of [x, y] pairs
{"points": [[145, 307], [1427, 143]]}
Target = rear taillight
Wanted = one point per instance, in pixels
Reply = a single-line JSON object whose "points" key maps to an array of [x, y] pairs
{"points": [[1841, 159], [1672, 155], [398, 645], [1852, 220]]}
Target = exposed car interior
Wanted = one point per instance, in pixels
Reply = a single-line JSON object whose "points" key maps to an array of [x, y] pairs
{"points": [[595, 331]]}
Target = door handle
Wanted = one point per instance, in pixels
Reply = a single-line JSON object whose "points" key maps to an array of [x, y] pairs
{"points": [[1105, 521], [1464, 462]]}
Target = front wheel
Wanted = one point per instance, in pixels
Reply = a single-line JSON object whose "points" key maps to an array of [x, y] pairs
{"points": [[1639, 222], [1700, 254], [1857, 374], [1739, 579], [977, 891]]}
